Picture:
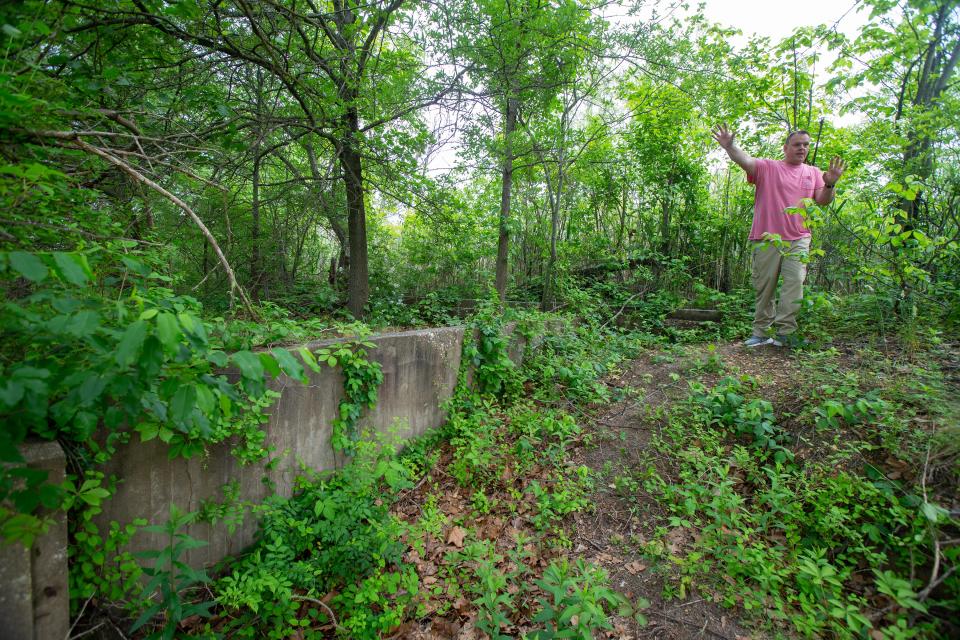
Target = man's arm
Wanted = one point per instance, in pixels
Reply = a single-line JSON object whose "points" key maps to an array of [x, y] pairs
{"points": [[724, 138], [824, 196]]}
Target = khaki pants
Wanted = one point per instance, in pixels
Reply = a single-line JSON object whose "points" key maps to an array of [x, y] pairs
{"points": [[769, 263]]}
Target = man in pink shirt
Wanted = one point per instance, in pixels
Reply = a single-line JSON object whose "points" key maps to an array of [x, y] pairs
{"points": [[781, 185]]}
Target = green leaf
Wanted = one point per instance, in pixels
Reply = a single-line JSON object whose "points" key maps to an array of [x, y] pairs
{"points": [[28, 265], [151, 356], [72, 267], [193, 325], [289, 364], [147, 616], [168, 330], [249, 364], [269, 364], [309, 359], [91, 388], [148, 431], [205, 399], [84, 424], [226, 406], [94, 497], [11, 392], [933, 512], [135, 266], [130, 343], [181, 406]]}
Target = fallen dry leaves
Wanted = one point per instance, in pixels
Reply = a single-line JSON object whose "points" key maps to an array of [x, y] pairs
{"points": [[455, 536]]}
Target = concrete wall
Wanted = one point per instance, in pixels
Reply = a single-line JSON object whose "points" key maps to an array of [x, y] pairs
{"points": [[419, 375], [34, 593]]}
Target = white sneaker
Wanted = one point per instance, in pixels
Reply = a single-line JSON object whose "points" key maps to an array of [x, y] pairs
{"points": [[756, 341]]}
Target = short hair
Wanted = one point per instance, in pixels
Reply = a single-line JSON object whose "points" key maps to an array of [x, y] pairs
{"points": [[796, 132]]}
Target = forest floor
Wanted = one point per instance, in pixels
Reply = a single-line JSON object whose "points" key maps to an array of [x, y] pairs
{"points": [[625, 518], [528, 520], [624, 522], [608, 534]]}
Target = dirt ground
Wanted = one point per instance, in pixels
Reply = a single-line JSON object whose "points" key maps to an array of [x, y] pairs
{"points": [[625, 517], [620, 523]]}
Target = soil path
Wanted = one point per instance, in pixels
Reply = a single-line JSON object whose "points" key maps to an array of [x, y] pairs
{"points": [[612, 535]]}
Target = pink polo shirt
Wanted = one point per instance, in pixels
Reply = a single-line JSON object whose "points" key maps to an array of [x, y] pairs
{"points": [[780, 186]]}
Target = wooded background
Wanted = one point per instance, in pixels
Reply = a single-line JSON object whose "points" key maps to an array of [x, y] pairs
{"points": [[288, 151]]}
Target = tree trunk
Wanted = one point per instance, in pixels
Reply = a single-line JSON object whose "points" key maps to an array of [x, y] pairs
{"points": [[503, 245], [358, 284], [546, 302], [256, 268], [665, 215]]}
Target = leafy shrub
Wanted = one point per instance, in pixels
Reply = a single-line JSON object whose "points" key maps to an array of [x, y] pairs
{"points": [[578, 601], [96, 359], [727, 408], [334, 533], [793, 541]]}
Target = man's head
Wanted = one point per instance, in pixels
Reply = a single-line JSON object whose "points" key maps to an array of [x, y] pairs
{"points": [[797, 146]]}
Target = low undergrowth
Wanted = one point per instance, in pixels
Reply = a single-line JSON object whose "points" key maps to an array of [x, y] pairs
{"points": [[829, 521], [463, 529]]}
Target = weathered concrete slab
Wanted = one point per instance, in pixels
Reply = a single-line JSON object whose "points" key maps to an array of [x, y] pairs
{"points": [[34, 592], [16, 595], [420, 373]]}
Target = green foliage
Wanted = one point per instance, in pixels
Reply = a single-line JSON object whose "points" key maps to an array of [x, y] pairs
{"points": [[276, 325], [478, 448], [109, 292], [361, 378], [91, 360], [727, 408], [99, 564], [489, 586], [231, 510], [334, 533], [570, 360], [793, 538], [569, 494], [379, 603], [434, 309], [578, 601], [485, 350], [171, 579]]}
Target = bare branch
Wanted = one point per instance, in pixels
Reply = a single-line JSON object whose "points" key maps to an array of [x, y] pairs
{"points": [[139, 177]]}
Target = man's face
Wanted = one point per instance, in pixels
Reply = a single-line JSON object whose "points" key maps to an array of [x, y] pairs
{"points": [[796, 149]]}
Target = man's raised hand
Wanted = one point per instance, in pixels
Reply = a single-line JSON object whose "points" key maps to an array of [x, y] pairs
{"points": [[723, 135], [833, 174]]}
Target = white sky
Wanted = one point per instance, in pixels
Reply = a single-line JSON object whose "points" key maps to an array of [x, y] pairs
{"points": [[778, 18]]}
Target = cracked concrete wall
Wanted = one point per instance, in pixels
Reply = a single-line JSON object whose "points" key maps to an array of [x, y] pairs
{"points": [[419, 375]]}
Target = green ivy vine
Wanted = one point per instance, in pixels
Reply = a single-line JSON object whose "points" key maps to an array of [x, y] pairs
{"points": [[97, 350], [485, 350], [361, 378]]}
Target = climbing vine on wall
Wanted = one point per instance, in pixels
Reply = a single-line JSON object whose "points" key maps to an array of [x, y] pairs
{"points": [[361, 378]]}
